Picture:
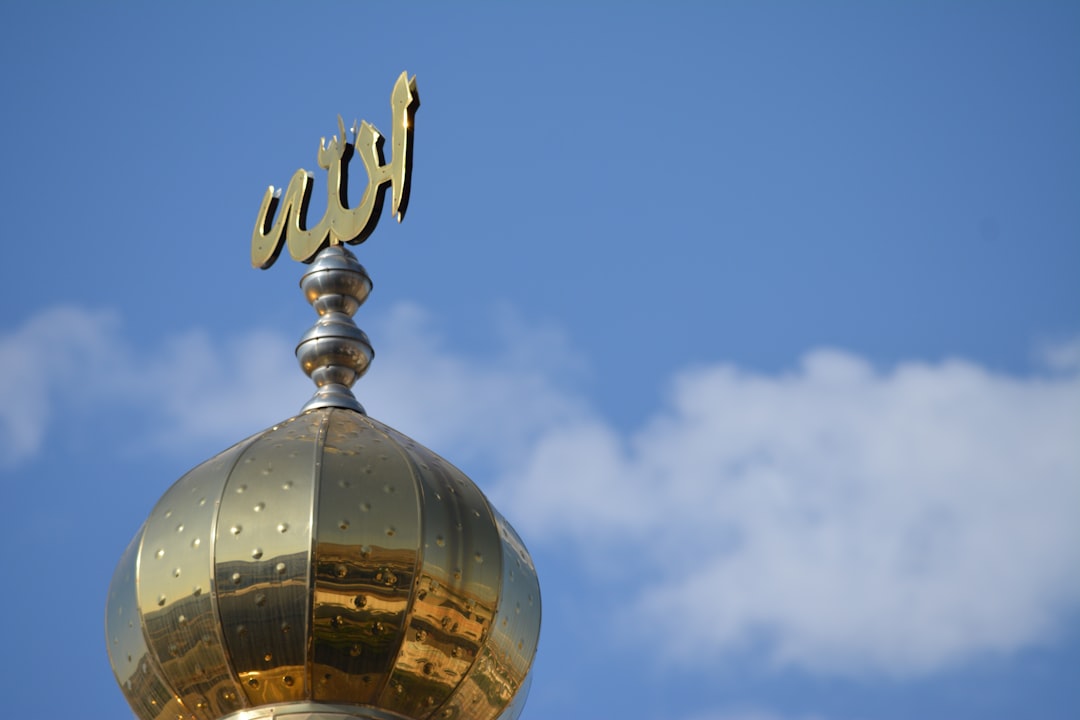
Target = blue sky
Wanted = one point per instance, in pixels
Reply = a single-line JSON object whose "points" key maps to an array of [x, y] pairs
{"points": [[760, 322]]}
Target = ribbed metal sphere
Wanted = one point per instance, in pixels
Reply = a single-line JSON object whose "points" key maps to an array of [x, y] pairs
{"points": [[326, 568]]}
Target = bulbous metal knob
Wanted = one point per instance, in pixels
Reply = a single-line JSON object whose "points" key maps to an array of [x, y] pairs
{"points": [[334, 352]]}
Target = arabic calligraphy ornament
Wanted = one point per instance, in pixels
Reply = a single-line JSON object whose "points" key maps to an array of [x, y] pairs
{"points": [[340, 223]]}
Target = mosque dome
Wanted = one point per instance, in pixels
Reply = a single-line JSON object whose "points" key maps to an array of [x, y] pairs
{"points": [[327, 568]]}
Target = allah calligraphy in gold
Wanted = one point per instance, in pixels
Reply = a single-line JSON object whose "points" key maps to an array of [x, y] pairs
{"points": [[341, 224]]}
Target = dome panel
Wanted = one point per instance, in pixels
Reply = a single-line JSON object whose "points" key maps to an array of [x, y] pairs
{"points": [[500, 675], [516, 629], [262, 555], [366, 549], [456, 592], [175, 590], [169, 588], [133, 664]]}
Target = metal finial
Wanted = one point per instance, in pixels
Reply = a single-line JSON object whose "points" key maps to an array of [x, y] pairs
{"points": [[335, 352]]}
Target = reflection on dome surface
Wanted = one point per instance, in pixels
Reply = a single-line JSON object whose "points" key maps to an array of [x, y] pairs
{"points": [[328, 565]]}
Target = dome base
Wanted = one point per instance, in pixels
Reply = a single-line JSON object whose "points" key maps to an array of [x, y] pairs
{"points": [[313, 711]]}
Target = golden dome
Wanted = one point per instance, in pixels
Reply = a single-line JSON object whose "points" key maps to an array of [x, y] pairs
{"points": [[328, 567]]}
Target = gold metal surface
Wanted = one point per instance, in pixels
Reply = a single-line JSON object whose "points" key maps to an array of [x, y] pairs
{"points": [[262, 560], [367, 551], [456, 591], [135, 667], [329, 560], [340, 223], [175, 591]]}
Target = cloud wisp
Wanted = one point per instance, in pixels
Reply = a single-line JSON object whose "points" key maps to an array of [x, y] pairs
{"points": [[836, 518], [845, 519], [38, 361]]}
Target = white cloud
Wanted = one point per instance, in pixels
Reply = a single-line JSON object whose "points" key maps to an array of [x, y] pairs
{"points": [[848, 519], [219, 391], [192, 388], [835, 518], [1062, 356], [481, 409], [37, 361]]}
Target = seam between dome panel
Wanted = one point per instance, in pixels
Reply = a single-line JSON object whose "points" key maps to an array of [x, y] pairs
{"points": [[316, 486]]}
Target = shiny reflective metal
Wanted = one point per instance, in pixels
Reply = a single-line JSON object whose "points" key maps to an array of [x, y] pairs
{"points": [[328, 567], [341, 223], [334, 352]]}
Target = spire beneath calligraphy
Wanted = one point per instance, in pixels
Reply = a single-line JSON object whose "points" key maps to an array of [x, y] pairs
{"points": [[335, 352]]}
